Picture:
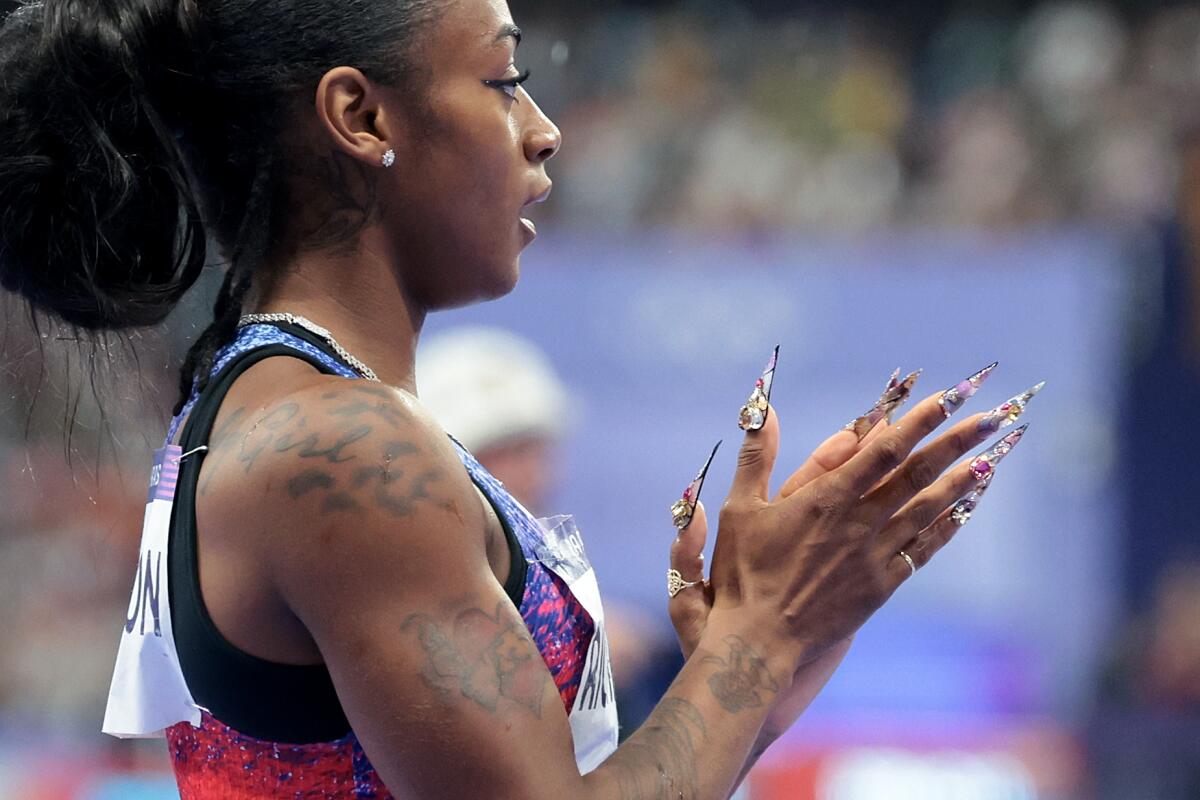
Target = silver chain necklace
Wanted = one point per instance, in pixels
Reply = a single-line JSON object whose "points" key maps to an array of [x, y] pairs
{"points": [[309, 325]]}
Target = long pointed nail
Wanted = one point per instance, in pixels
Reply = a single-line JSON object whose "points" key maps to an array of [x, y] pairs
{"points": [[1009, 411], [964, 508], [957, 395], [894, 394], [685, 507], [983, 466], [754, 414]]}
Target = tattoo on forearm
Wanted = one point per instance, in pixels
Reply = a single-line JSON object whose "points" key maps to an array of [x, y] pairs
{"points": [[741, 677], [482, 657], [384, 482], [659, 761]]}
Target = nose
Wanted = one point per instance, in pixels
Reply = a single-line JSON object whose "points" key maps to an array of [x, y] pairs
{"points": [[542, 136]]}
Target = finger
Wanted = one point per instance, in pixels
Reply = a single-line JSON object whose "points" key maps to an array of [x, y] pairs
{"points": [[829, 455], [895, 393], [922, 548], [756, 458], [920, 512], [923, 468], [889, 450], [688, 609], [991, 421], [687, 551]]}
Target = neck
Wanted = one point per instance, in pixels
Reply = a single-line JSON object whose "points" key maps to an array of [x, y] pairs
{"points": [[359, 298]]}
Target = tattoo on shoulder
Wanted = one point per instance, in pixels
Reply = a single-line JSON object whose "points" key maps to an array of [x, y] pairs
{"points": [[741, 677], [370, 431], [482, 657]]}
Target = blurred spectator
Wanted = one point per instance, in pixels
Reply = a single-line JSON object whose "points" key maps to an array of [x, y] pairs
{"points": [[500, 397]]}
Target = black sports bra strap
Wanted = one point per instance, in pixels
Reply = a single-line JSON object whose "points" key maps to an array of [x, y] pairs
{"points": [[260, 698]]}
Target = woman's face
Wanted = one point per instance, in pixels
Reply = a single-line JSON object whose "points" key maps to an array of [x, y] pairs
{"points": [[472, 161]]}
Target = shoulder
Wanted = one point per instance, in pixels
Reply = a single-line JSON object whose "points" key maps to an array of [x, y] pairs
{"points": [[341, 471]]}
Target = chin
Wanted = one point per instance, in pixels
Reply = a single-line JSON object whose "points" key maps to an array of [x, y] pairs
{"points": [[490, 283], [505, 280]]}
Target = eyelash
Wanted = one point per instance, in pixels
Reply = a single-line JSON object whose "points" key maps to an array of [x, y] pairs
{"points": [[509, 83]]}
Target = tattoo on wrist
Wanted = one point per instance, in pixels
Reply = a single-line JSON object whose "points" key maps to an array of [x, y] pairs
{"points": [[742, 677]]}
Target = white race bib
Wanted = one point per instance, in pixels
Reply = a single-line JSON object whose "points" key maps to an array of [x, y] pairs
{"points": [[593, 718], [148, 692]]}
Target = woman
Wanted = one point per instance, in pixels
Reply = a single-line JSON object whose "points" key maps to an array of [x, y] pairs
{"points": [[354, 608]]}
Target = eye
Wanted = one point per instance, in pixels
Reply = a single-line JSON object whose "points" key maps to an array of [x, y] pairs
{"points": [[509, 85]]}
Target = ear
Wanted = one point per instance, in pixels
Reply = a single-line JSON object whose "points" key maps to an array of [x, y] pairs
{"points": [[352, 115]]}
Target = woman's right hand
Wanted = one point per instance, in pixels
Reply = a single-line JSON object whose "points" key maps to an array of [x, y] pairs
{"points": [[805, 571]]}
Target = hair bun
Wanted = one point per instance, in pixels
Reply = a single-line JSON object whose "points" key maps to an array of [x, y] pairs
{"points": [[98, 220]]}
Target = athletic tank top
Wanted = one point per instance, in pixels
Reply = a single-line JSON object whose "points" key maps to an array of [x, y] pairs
{"points": [[244, 727]]}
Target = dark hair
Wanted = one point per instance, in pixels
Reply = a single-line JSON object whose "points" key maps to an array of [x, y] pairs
{"points": [[133, 131]]}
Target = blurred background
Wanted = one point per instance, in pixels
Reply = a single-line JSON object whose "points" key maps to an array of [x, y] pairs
{"points": [[871, 185]]}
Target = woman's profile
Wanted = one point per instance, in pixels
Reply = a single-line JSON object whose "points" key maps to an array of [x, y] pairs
{"points": [[333, 598]]}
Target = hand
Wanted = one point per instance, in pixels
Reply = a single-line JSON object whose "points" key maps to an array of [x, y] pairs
{"points": [[808, 567], [690, 608]]}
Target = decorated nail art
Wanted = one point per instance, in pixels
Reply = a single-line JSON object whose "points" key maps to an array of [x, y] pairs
{"points": [[754, 414], [957, 395], [964, 508], [983, 466], [685, 507], [1009, 411], [894, 395]]}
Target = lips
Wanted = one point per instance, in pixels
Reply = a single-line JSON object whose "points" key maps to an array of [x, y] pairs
{"points": [[541, 196]]}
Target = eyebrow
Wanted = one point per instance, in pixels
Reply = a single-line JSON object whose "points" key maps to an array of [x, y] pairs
{"points": [[509, 30]]}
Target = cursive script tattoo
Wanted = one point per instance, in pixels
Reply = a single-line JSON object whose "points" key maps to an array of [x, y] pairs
{"points": [[740, 677], [390, 478], [482, 657], [659, 761]]}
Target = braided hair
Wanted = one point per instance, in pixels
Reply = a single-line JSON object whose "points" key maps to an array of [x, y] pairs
{"points": [[138, 135]]}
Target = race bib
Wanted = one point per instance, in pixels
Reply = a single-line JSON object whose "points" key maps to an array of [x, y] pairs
{"points": [[148, 692], [593, 718]]}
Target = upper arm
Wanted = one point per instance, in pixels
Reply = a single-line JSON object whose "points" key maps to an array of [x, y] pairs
{"points": [[375, 538]]}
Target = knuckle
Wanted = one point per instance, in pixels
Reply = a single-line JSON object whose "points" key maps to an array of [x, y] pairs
{"points": [[962, 441], [751, 454], [920, 473], [889, 453], [827, 504], [922, 516], [835, 486]]}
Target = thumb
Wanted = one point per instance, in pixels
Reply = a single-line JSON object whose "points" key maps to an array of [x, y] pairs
{"points": [[756, 458]]}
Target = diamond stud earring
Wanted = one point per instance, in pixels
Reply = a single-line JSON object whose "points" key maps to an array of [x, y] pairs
{"points": [[389, 158]]}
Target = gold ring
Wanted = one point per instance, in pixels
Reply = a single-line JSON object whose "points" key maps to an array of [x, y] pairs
{"points": [[676, 583]]}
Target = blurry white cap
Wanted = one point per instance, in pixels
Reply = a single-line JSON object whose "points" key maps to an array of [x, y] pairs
{"points": [[485, 385]]}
